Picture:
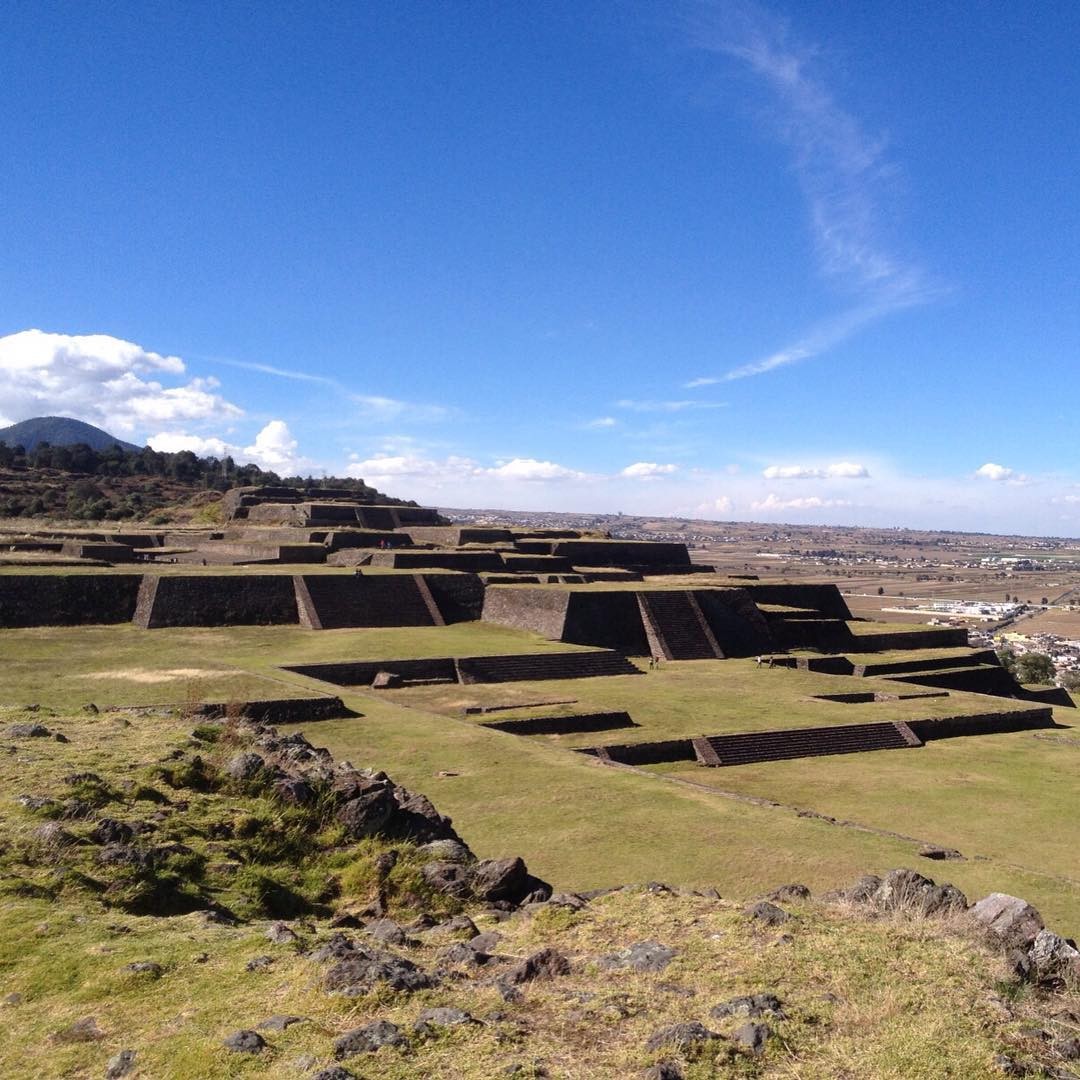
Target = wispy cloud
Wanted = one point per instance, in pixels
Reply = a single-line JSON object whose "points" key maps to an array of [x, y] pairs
{"points": [[667, 406], [842, 169], [282, 373]]}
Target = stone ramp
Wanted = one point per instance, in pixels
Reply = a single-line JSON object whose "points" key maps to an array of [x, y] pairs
{"points": [[675, 626], [334, 602], [540, 666], [763, 746]]}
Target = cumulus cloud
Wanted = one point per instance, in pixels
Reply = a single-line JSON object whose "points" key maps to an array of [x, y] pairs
{"points": [[990, 471], [812, 502], [720, 505], [839, 470], [644, 469], [531, 470], [172, 442], [103, 380], [276, 449]]}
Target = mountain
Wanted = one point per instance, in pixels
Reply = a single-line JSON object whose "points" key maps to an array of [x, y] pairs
{"points": [[60, 431]]}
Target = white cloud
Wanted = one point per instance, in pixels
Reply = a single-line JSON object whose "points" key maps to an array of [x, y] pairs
{"points": [[990, 471], [839, 470], [275, 449], [602, 422], [388, 409], [648, 469], [846, 180], [667, 406], [813, 502], [104, 380], [720, 505], [172, 442], [531, 470]]}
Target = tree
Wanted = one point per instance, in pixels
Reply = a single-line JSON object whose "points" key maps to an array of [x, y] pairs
{"points": [[1035, 667], [881, 590], [1007, 657]]}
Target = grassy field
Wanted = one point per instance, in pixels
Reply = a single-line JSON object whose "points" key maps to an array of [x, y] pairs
{"points": [[66, 667]]}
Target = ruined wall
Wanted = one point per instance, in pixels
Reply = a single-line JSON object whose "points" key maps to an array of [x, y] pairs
{"points": [[337, 601], [278, 710], [469, 561], [67, 599], [216, 600], [985, 657], [979, 680], [541, 611], [945, 637]]}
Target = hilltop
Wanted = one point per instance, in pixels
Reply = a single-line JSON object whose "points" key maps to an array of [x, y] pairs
{"points": [[60, 431]]}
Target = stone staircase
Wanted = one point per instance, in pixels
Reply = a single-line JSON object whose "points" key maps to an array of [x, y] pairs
{"points": [[761, 746], [675, 626], [540, 666]]}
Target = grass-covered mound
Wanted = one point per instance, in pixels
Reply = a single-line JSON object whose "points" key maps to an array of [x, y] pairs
{"points": [[222, 901]]}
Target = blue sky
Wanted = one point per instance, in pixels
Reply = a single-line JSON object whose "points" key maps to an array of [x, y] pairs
{"points": [[789, 263]]}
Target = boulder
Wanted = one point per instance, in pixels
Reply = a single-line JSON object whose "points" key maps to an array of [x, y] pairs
{"points": [[1012, 920], [111, 831], [1053, 957], [361, 969], [752, 1006], [369, 812], [680, 1036], [545, 964], [450, 878], [767, 913], [793, 891], [386, 680], [751, 1038], [244, 766], [280, 933], [119, 1065], [499, 879], [643, 956], [245, 1042], [907, 890], [430, 1020], [368, 1038]]}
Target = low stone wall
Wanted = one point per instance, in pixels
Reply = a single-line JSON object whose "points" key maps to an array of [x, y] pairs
{"points": [[645, 753], [944, 637], [426, 558], [67, 599], [989, 723], [827, 635], [826, 665], [456, 535], [338, 601], [982, 657], [216, 600], [563, 725], [113, 553], [363, 672], [978, 680], [278, 710]]}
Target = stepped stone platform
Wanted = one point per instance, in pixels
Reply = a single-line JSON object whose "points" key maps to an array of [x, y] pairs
{"points": [[427, 558], [700, 623], [975, 658], [103, 551], [562, 725], [333, 601], [474, 669]]}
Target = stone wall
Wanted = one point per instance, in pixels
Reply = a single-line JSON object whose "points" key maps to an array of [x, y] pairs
{"points": [[216, 600], [540, 610], [562, 725], [735, 620], [989, 723], [824, 598], [611, 620], [460, 597], [67, 599], [645, 753], [363, 672], [337, 601], [278, 710]]}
